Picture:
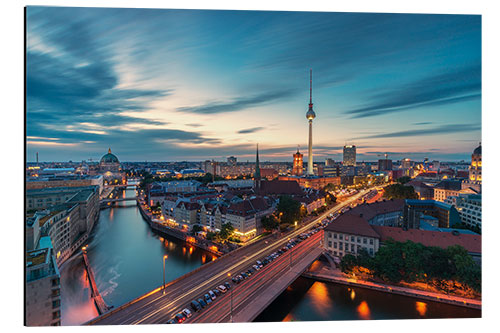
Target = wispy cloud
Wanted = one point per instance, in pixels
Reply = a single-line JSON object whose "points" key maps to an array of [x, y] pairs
{"points": [[456, 85], [444, 129], [239, 103], [250, 130]]}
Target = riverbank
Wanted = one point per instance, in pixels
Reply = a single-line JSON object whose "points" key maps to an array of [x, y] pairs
{"points": [[327, 274], [181, 235]]}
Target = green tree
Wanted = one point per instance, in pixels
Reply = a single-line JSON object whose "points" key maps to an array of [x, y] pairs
{"points": [[403, 180], [348, 263], [269, 223], [288, 209], [196, 228], [399, 191], [226, 231]]}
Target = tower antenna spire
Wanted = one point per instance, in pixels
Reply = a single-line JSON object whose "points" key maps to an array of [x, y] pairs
{"points": [[310, 87]]}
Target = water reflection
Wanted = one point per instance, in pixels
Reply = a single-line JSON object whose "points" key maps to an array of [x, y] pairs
{"points": [[309, 300], [421, 308], [363, 310], [126, 257]]}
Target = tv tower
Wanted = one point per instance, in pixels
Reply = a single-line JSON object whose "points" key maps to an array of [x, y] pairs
{"points": [[310, 115]]}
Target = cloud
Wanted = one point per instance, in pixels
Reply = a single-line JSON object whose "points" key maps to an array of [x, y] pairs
{"points": [[454, 86], [444, 129], [423, 123], [239, 103], [250, 130]]}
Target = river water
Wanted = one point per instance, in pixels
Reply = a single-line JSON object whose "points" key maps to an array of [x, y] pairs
{"points": [[126, 257], [309, 300], [127, 260]]}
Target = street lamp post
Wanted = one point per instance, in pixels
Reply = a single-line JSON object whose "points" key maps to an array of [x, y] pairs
{"points": [[163, 286], [231, 312]]}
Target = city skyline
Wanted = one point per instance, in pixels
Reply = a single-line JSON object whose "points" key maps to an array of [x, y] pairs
{"points": [[179, 85]]}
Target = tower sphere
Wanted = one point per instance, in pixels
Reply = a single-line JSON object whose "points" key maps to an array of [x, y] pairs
{"points": [[310, 115]]}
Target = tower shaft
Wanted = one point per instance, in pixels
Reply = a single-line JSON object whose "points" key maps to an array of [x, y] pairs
{"points": [[310, 169]]}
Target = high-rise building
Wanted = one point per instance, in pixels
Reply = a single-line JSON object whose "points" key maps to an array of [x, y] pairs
{"points": [[298, 163], [384, 165], [257, 169], [310, 115], [406, 163], [231, 160], [349, 156]]}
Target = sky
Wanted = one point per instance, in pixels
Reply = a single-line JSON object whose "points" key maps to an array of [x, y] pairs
{"points": [[191, 85]]}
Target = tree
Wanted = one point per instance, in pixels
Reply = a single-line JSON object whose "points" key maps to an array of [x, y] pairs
{"points": [[196, 228], [403, 180], [288, 209], [226, 231], [269, 222], [399, 191], [348, 263]]}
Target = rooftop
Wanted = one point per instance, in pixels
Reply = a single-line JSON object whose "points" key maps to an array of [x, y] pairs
{"points": [[472, 243]]}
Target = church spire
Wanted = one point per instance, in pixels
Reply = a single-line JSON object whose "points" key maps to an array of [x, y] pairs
{"points": [[257, 169], [109, 150]]}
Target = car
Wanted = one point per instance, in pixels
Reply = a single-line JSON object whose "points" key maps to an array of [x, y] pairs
{"points": [[171, 321], [240, 278], [212, 295], [244, 275], [227, 285], [222, 289], [259, 262], [235, 279], [195, 305], [187, 313], [251, 271], [180, 317], [256, 267], [216, 292], [202, 302], [208, 299]]}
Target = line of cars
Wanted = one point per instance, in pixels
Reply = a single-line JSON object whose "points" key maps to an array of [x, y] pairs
{"points": [[200, 303], [211, 295]]}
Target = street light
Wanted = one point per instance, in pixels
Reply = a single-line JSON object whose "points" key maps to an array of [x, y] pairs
{"points": [[231, 313], [163, 287]]}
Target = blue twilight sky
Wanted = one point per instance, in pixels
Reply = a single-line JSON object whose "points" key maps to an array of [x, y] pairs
{"points": [[163, 85]]}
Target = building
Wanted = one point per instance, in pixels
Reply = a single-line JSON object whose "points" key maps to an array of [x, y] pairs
{"points": [[329, 162], [349, 156], [39, 199], [186, 213], [268, 173], [349, 234], [245, 216], [109, 167], [469, 208], [231, 161], [310, 115], [312, 182], [43, 295], [447, 188], [413, 210], [471, 242], [66, 180], [384, 165], [188, 173], [298, 164], [424, 191], [476, 165]]}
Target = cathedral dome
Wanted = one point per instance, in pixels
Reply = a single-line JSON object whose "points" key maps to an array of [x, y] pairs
{"points": [[477, 151], [109, 158]]}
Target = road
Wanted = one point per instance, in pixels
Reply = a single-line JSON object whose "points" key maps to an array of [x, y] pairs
{"points": [[158, 307]]}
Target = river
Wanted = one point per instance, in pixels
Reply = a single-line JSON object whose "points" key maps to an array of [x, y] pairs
{"points": [[127, 259], [309, 300]]}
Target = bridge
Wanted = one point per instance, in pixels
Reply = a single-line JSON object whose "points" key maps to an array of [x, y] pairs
{"points": [[101, 305], [104, 201], [248, 298]]}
